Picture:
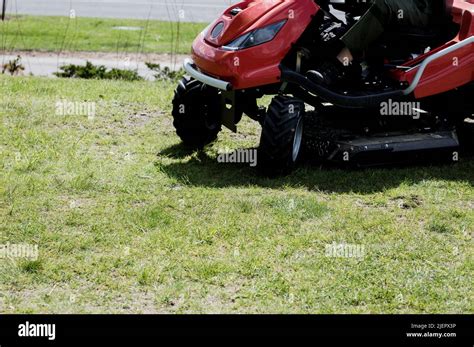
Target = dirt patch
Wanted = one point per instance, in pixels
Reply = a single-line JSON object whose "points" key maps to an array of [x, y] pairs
{"points": [[407, 202], [141, 119]]}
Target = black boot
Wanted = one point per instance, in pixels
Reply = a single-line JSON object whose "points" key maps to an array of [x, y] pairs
{"points": [[333, 73]]}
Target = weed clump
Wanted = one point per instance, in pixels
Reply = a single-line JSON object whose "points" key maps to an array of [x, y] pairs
{"points": [[91, 71]]}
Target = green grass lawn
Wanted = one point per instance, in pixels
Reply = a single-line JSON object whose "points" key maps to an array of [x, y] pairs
{"points": [[127, 220], [54, 34]]}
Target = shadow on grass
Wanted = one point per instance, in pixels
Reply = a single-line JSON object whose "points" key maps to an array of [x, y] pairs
{"points": [[203, 170], [178, 151]]}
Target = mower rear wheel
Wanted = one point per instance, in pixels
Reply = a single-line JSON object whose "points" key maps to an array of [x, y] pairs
{"points": [[196, 113], [282, 134]]}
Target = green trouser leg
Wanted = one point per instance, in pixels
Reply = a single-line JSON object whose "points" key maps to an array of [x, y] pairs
{"points": [[381, 15]]}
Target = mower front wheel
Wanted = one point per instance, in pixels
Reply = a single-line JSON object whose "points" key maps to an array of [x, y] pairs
{"points": [[282, 133], [196, 113]]}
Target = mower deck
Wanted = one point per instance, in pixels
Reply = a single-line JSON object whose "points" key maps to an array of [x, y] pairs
{"points": [[383, 149]]}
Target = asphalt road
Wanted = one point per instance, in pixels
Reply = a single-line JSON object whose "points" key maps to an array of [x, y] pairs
{"points": [[184, 10]]}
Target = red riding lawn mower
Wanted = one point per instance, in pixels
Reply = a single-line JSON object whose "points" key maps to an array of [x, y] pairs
{"points": [[414, 96]]}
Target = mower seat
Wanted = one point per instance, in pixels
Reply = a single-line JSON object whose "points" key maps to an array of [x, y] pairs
{"points": [[414, 36], [409, 39], [402, 45], [417, 39]]}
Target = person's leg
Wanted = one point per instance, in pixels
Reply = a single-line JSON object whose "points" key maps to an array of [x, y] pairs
{"points": [[369, 27], [381, 15]]}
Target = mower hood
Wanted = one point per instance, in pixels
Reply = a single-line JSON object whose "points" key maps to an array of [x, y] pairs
{"points": [[241, 18]]}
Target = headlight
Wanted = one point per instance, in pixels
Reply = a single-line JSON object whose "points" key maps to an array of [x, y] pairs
{"points": [[205, 31], [255, 37]]}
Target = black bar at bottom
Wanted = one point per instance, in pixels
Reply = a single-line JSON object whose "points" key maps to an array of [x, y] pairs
{"points": [[403, 330]]}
